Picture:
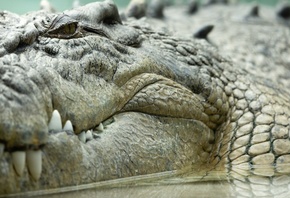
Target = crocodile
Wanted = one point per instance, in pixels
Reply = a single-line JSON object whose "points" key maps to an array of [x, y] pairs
{"points": [[91, 95]]}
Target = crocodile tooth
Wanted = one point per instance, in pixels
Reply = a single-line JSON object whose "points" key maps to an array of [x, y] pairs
{"points": [[82, 137], [89, 135], [100, 127], [68, 126], [34, 163], [55, 122], [18, 159], [2, 146], [95, 135]]}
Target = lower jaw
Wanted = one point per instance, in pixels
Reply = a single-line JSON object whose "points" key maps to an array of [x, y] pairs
{"points": [[135, 144]]}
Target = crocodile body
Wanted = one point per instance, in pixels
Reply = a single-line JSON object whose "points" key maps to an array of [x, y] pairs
{"points": [[143, 96]]}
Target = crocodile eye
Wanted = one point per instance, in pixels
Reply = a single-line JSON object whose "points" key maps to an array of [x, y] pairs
{"points": [[63, 27], [64, 31], [67, 29]]}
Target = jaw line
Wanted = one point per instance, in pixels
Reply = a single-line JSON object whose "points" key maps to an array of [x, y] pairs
{"points": [[135, 144]]}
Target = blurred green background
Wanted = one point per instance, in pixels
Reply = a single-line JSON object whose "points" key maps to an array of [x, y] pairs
{"points": [[23, 6]]}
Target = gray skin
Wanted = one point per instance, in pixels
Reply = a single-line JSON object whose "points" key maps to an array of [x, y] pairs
{"points": [[167, 103]]}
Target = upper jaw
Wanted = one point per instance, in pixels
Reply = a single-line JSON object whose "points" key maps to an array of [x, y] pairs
{"points": [[24, 105], [90, 155]]}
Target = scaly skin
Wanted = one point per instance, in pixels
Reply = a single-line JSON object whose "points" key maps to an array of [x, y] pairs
{"points": [[167, 103]]}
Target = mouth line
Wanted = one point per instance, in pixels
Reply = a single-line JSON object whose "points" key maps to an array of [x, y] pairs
{"points": [[95, 132], [110, 139], [31, 156], [99, 142], [55, 127]]}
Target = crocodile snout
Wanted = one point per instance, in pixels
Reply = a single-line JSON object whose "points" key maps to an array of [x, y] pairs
{"points": [[23, 105], [23, 116]]}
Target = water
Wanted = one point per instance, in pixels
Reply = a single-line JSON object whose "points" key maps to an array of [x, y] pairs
{"points": [[201, 189], [239, 183]]}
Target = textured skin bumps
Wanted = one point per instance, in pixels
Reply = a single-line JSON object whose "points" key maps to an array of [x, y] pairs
{"points": [[260, 114], [168, 101]]}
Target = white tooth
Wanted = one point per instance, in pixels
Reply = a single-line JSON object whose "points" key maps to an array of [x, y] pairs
{"points": [[89, 135], [1, 149], [68, 126], [18, 159], [100, 127], [95, 135], [55, 122], [82, 137], [34, 163]]}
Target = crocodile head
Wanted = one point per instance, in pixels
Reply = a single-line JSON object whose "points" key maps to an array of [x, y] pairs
{"points": [[86, 98]]}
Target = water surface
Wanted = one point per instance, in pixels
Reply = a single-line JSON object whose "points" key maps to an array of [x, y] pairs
{"points": [[238, 183]]}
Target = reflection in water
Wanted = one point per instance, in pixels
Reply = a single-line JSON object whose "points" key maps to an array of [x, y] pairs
{"points": [[240, 182], [211, 189], [271, 181], [262, 186]]}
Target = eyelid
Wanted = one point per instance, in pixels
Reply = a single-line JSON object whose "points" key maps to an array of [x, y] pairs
{"points": [[63, 27]]}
